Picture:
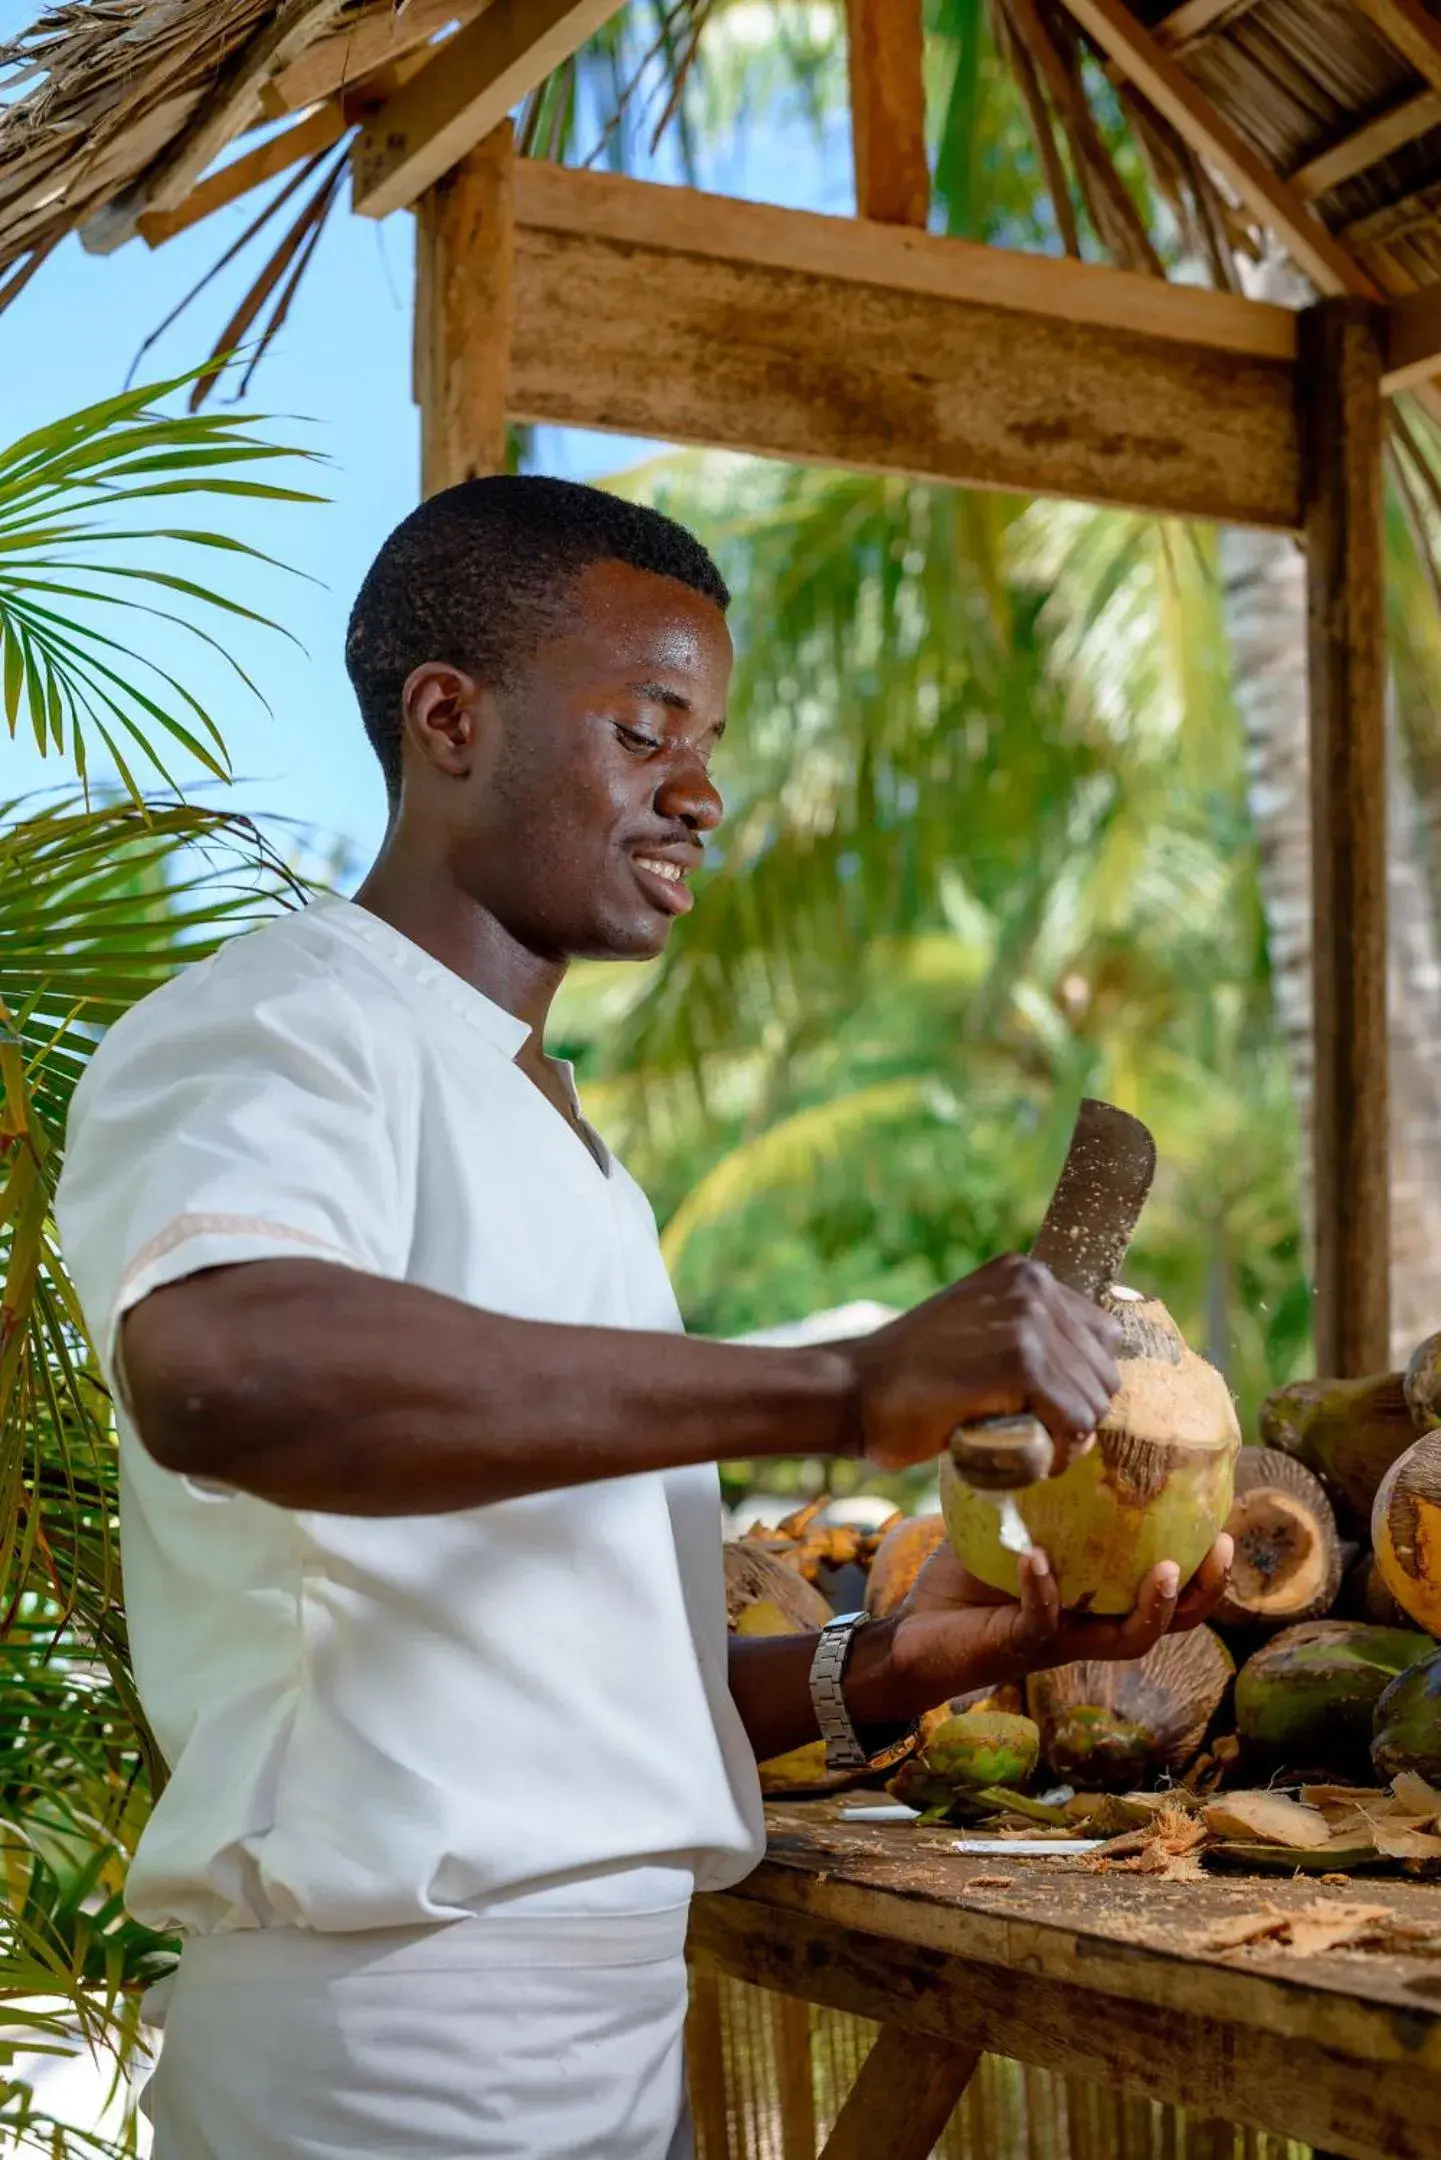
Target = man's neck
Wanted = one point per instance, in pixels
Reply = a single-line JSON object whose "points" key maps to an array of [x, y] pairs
{"points": [[464, 936]]}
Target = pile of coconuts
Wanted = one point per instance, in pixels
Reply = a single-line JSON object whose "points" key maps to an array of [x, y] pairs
{"points": [[1322, 1662]]}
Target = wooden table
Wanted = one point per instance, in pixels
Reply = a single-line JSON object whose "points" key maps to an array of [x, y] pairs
{"points": [[1097, 1976]]}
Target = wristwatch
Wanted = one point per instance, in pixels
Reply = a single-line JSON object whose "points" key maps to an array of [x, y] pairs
{"points": [[845, 1750]]}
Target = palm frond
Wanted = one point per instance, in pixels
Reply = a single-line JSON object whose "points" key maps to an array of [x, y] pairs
{"points": [[64, 494]]}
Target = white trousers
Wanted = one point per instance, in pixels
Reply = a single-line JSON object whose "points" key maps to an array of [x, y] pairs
{"points": [[442, 2044]]}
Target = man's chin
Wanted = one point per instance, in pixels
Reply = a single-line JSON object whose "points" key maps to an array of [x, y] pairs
{"points": [[630, 939]]}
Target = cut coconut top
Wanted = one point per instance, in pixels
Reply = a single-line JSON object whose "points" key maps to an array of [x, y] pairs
{"points": [[1168, 1396], [1288, 1556]]}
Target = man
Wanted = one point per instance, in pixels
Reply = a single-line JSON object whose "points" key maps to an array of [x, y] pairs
{"points": [[421, 1526]]}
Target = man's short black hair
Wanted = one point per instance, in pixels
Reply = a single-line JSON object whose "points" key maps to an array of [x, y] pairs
{"points": [[479, 573]]}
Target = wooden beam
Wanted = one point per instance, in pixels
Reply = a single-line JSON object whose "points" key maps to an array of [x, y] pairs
{"points": [[885, 46], [467, 89], [1279, 2082], [1366, 146], [347, 54], [655, 311], [1413, 30], [1197, 19], [904, 2097], [724, 229], [305, 140], [1140, 56], [1413, 342], [1343, 411], [465, 314]]}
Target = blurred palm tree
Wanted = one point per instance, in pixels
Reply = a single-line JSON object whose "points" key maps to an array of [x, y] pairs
{"points": [[987, 848], [100, 899], [823, 850]]}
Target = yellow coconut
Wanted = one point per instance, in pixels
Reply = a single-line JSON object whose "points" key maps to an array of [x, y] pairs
{"points": [[1157, 1485], [1406, 1531]]}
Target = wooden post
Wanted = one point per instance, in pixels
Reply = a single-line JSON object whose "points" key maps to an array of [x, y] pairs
{"points": [[903, 2099], [465, 313], [886, 49], [791, 2031], [705, 2064], [1342, 354]]}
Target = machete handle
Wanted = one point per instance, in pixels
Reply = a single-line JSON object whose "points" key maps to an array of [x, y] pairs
{"points": [[1002, 1454]]}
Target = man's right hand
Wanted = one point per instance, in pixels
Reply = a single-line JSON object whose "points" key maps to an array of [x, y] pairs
{"points": [[1008, 1338]]}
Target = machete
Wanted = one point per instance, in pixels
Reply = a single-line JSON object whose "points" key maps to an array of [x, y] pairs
{"points": [[1087, 1230]]}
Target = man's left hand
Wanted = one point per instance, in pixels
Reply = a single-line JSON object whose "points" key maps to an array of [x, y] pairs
{"points": [[954, 1634]]}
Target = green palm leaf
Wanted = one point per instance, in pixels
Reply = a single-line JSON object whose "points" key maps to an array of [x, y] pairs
{"points": [[99, 904], [64, 491]]}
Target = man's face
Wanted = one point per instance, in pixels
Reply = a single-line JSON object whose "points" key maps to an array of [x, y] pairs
{"points": [[587, 803]]}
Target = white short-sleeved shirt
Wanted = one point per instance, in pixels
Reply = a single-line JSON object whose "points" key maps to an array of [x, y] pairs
{"points": [[519, 1709]]}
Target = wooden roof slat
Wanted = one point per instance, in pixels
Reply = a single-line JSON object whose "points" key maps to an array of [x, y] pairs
{"points": [[1393, 221], [306, 139], [1125, 40], [463, 93], [1414, 32], [218, 119], [1196, 19], [885, 49], [344, 57], [1367, 145]]}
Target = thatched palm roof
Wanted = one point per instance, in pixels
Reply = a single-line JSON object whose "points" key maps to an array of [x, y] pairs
{"points": [[127, 102]]}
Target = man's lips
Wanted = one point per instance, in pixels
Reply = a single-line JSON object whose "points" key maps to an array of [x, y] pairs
{"points": [[663, 881]]}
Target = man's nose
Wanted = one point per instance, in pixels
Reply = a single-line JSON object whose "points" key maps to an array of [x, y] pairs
{"points": [[688, 793]]}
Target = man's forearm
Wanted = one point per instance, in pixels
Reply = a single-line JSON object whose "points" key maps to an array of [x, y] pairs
{"points": [[318, 1387]]}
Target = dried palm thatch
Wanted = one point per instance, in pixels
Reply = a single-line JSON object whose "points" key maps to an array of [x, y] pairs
{"points": [[123, 104]]}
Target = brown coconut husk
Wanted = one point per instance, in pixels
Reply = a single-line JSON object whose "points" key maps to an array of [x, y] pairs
{"points": [[902, 1553], [1170, 1404], [1406, 1529], [1125, 1723], [1288, 1563], [1364, 1596], [1422, 1384]]}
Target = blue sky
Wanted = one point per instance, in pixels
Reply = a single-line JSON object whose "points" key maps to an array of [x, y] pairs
{"points": [[342, 366]]}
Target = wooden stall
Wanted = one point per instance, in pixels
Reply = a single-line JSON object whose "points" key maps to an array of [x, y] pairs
{"points": [[576, 297], [1094, 1984]]}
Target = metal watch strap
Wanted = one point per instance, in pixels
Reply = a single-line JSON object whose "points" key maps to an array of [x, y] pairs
{"points": [[843, 1747]]}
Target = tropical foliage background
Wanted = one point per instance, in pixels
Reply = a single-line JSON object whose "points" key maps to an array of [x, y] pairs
{"points": [[1014, 797]]}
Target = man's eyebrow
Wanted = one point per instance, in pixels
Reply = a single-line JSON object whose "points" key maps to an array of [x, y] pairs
{"points": [[660, 694]]}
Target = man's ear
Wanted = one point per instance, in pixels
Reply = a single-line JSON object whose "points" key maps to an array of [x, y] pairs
{"points": [[440, 708]]}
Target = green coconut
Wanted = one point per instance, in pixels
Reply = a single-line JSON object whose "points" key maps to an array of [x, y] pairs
{"points": [[1407, 1731], [972, 1752], [1307, 1699], [1157, 1485], [1348, 1431]]}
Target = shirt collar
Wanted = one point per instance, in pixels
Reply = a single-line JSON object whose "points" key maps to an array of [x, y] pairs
{"points": [[400, 952]]}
